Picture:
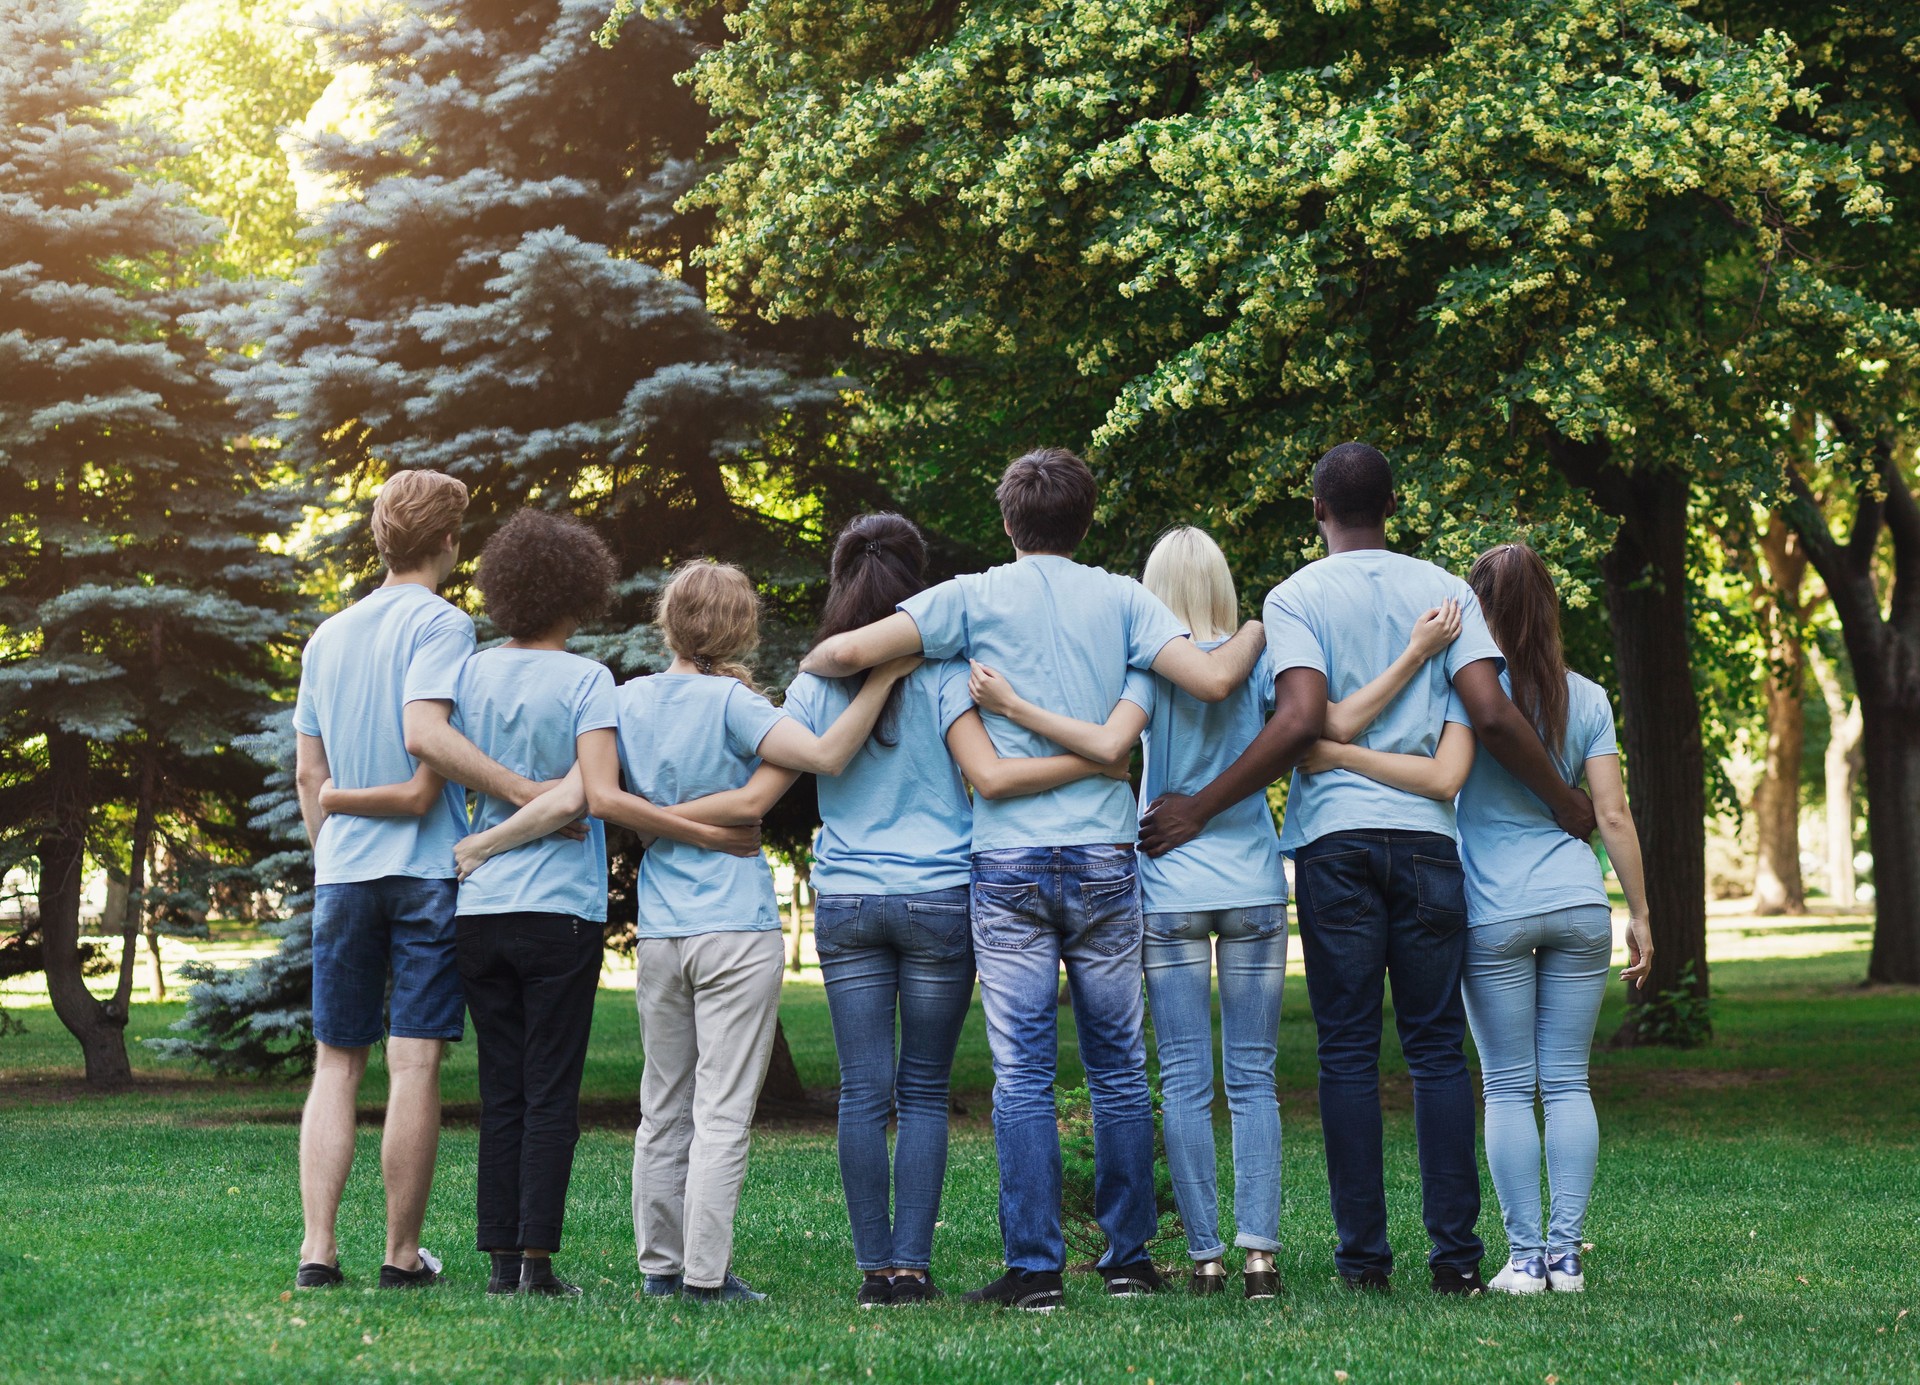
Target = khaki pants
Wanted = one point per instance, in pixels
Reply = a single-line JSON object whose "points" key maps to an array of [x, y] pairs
{"points": [[708, 1006]]}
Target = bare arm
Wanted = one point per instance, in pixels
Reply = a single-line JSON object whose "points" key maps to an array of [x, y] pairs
{"points": [[310, 776], [411, 799], [545, 815], [1102, 744], [1211, 674], [1623, 849], [1510, 738], [839, 656], [599, 764], [1438, 776], [744, 806], [996, 776], [791, 746], [1299, 716], [432, 740], [1432, 633]]}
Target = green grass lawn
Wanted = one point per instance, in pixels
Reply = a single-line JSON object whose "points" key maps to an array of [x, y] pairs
{"points": [[1758, 1206]]}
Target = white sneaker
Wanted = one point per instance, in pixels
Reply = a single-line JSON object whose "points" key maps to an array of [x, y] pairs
{"points": [[1563, 1273], [1528, 1276]]}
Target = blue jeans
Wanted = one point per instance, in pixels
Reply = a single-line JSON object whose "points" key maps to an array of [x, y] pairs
{"points": [[1378, 906], [1033, 909], [878, 951], [1533, 990], [365, 929], [1253, 967]]}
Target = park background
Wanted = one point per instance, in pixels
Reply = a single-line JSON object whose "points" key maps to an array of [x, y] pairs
{"points": [[1634, 281]]}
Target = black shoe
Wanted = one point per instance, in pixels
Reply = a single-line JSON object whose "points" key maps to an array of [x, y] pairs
{"points": [[1369, 1281], [537, 1277], [314, 1275], [393, 1277], [876, 1291], [505, 1275], [908, 1290], [1208, 1277], [1124, 1281], [1449, 1280], [1260, 1277], [1037, 1291]]}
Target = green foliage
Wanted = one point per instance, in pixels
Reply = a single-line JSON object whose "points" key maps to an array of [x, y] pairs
{"points": [[1078, 1222], [1680, 1016]]}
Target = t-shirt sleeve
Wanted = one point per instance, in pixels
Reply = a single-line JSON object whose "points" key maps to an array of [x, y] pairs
{"points": [[1291, 642], [941, 614], [1140, 690], [595, 710], [1455, 712], [1600, 735], [433, 669], [1475, 641], [306, 712], [1264, 676], [1151, 626], [749, 717], [803, 702], [955, 700]]}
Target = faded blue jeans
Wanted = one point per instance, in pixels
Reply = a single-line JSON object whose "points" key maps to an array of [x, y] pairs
{"points": [[877, 952], [1253, 967], [1533, 989], [1034, 909]]}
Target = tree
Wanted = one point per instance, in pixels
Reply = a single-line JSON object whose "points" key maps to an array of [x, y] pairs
{"points": [[140, 618], [1777, 886], [1523, 246]]}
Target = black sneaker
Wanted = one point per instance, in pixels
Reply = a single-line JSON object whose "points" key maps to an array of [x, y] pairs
{"points": [[1260, 1276], [1208, 1277], [1368, 1281], [876, 1291], [908, 1290], [393, 1277], [1449, 1280], [504, 1278], [1037, 1291], [537, 1277], [1124, 1281], [314, 1275]]}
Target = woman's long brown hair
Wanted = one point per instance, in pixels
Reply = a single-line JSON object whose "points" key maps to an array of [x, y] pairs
{"points": [[879, 560], [1522, 608]]}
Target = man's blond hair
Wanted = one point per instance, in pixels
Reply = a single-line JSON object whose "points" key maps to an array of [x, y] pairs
{"points": [[415, 511]]}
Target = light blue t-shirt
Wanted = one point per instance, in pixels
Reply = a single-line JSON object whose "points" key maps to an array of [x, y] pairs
{"points": [[1518, 862], [684, 736], [526, 708], [1235, 862], [398, 644], [897, 819], [1065, 635], [1350, 616]]}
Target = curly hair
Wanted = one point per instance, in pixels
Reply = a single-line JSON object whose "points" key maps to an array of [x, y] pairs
{"points": [[543, 570]]}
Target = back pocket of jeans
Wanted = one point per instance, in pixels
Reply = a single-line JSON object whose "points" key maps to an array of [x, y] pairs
{"points": [[1112, 913], [1335, 889], [1005, 915], [942, 927], [1440, 894], [835, 917]]}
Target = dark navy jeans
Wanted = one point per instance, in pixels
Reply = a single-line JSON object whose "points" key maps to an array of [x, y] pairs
{"points": [[880, 953], [1380, 907]]}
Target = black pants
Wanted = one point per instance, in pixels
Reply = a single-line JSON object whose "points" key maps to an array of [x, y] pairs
{"points": [[529, 980]]}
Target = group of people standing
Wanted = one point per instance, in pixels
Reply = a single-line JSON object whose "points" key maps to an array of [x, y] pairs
{"points": [[974, 741]]}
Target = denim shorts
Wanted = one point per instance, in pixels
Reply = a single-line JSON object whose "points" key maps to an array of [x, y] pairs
{"points": [[365, 928]]}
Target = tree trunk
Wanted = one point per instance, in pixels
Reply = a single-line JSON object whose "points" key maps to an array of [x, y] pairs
{"points": [[1892, 740], [1646, 590], [137, 875], [157, 974], [781, 1094], [801, 876], [99, 1029], [1841, 764], [1777, 886]]}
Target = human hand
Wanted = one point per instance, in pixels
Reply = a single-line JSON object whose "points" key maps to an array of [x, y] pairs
{"points": [[990, 691], [1435, 630], [469, 855], [1171, 821], [326, 798], [1121, 769], [893, 670], [1322, 756], [1639, 951], [741, 840], [1575, 815]]}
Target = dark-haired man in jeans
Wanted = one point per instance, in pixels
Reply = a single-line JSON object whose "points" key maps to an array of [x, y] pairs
{"points": [[1054, 880], [1377, 870]]}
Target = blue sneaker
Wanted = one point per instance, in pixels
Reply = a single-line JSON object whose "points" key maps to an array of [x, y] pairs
{"points": [[661, 1285], [733, 1289], [1563, 1273], [1522, 1276]]}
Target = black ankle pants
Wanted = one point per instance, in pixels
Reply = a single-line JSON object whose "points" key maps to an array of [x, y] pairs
{"points": [[529, 980]]}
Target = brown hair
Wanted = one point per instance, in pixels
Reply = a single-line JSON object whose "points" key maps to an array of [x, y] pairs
{"points": [[1047, 499], [710, 616], [879, 560], [542, 570], [413, 513], [1522, 608]]}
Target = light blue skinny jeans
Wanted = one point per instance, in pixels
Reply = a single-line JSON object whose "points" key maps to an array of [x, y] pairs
{"points": [[1252, 950], [1533, 989]]}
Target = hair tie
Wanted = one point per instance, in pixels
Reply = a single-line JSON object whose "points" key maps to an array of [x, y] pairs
{"points": [[872, 546], [703, 663]]}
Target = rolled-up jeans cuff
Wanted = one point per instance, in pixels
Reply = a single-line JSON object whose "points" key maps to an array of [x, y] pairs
{"points": [[1247, 1242]]}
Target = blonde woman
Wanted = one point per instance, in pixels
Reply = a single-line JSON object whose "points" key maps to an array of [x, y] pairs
{"points": [[1219, 899]]}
